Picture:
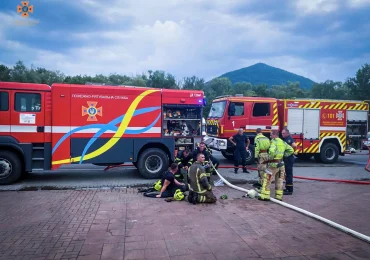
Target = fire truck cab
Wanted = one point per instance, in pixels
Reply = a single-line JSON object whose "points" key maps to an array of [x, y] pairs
{"points": [[229, 113]]}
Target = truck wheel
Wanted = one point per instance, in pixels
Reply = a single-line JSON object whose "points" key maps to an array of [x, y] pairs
{"points": [[329, 153], [10, 167], [227, 155], [152, 163], [250, 155]]}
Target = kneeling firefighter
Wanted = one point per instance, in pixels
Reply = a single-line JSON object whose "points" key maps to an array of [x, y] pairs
{"points": [[207, 159], [184, 160], [277, 151], [168, 186], [200, 191]]}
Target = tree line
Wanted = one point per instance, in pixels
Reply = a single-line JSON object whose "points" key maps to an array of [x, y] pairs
{"points": [[356, 87]]}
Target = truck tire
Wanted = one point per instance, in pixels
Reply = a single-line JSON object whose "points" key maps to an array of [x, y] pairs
{"points": [[10, 167], [250, 155], [249, 159], [329, 153], [227, 155], [152, 163]]}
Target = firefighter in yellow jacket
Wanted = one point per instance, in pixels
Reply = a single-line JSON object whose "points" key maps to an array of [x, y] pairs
{"points": [[278, 149], [200, 191], [262, 144]]}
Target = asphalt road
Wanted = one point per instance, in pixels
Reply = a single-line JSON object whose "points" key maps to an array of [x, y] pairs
{"points": [[359, 158], [349, 167]]}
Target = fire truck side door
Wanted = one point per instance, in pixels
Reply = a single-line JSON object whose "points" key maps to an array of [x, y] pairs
{"points": [[261, 116], [27, 116], [4, 112], [236, 116], [311, 124], [295, 120]]}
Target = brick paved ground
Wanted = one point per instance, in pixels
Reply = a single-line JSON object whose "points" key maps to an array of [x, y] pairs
{"points": [[346, 204], [121, 224]]}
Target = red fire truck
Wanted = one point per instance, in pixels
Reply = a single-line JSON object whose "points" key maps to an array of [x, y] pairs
{"points": [[43, 127], [321, 128]]}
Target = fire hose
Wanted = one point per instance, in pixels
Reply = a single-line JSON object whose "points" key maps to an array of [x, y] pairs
{"points": [[305, 212]]}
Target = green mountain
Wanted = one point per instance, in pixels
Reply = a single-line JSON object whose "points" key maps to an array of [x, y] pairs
{"points": [[261, 73]]}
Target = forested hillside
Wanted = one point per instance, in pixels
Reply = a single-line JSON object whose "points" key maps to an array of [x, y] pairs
{"points": [[261, 73], [355, 87]]}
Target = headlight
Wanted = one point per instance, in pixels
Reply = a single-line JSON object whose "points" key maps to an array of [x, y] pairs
{"points": [[222, 143]]}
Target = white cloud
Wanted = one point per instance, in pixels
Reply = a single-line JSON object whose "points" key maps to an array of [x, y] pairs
{"points": [[358, 3], [317, 6], [185, 38]]}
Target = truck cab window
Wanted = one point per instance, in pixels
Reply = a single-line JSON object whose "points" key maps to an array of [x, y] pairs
{"points": [[261, 109], [236, 109], [4, 101], [27, 102]]}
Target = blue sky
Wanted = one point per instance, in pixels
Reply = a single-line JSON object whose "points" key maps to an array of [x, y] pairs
{"points": [[319, 39]]}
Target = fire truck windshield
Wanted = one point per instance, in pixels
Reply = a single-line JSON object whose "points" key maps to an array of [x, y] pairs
{"points": [[217, 109]]}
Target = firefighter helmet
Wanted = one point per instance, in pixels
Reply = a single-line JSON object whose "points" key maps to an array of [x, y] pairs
{"points": [[158, 185], [179, 195], [252, 194]]}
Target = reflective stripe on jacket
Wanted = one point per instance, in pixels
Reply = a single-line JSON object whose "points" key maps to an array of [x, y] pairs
{"points": [[262, 143]]}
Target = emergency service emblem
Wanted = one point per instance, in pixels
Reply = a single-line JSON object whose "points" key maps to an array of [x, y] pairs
{"points": [[92, 111], [340, 115]]}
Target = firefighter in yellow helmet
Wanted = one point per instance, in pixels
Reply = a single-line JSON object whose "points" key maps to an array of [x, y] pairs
{"points": [[200, 191], [278, 149], [262, 144]]}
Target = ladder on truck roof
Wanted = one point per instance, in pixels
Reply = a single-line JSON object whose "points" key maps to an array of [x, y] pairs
{"points": [[223, 96]]}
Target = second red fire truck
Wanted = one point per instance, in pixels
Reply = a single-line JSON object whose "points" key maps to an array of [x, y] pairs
{"points": [[43, 127], [321, 128]]}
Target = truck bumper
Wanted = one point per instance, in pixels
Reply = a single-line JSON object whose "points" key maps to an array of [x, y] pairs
{"points": [[217, 143]]}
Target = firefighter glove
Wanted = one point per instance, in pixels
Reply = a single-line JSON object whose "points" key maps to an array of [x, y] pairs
{"points": [[280, 164]]}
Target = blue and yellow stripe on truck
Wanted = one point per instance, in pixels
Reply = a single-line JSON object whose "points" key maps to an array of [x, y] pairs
{"points": [[113, 140]]}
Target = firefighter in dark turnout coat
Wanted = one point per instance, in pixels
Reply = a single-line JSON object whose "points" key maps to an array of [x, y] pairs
{"points": [[200, 190], [184, 160], [208, 158]]}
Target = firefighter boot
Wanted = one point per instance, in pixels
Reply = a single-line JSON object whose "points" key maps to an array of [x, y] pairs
{"points": [[190, 196], [257, 185], [245, 170], [288, 189], [265, 189], [279, 195], [236, 169]]}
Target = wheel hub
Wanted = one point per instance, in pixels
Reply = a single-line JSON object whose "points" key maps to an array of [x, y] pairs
{"points": [[153, 163], [249, 154], [329, 153], [5, 168]]}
